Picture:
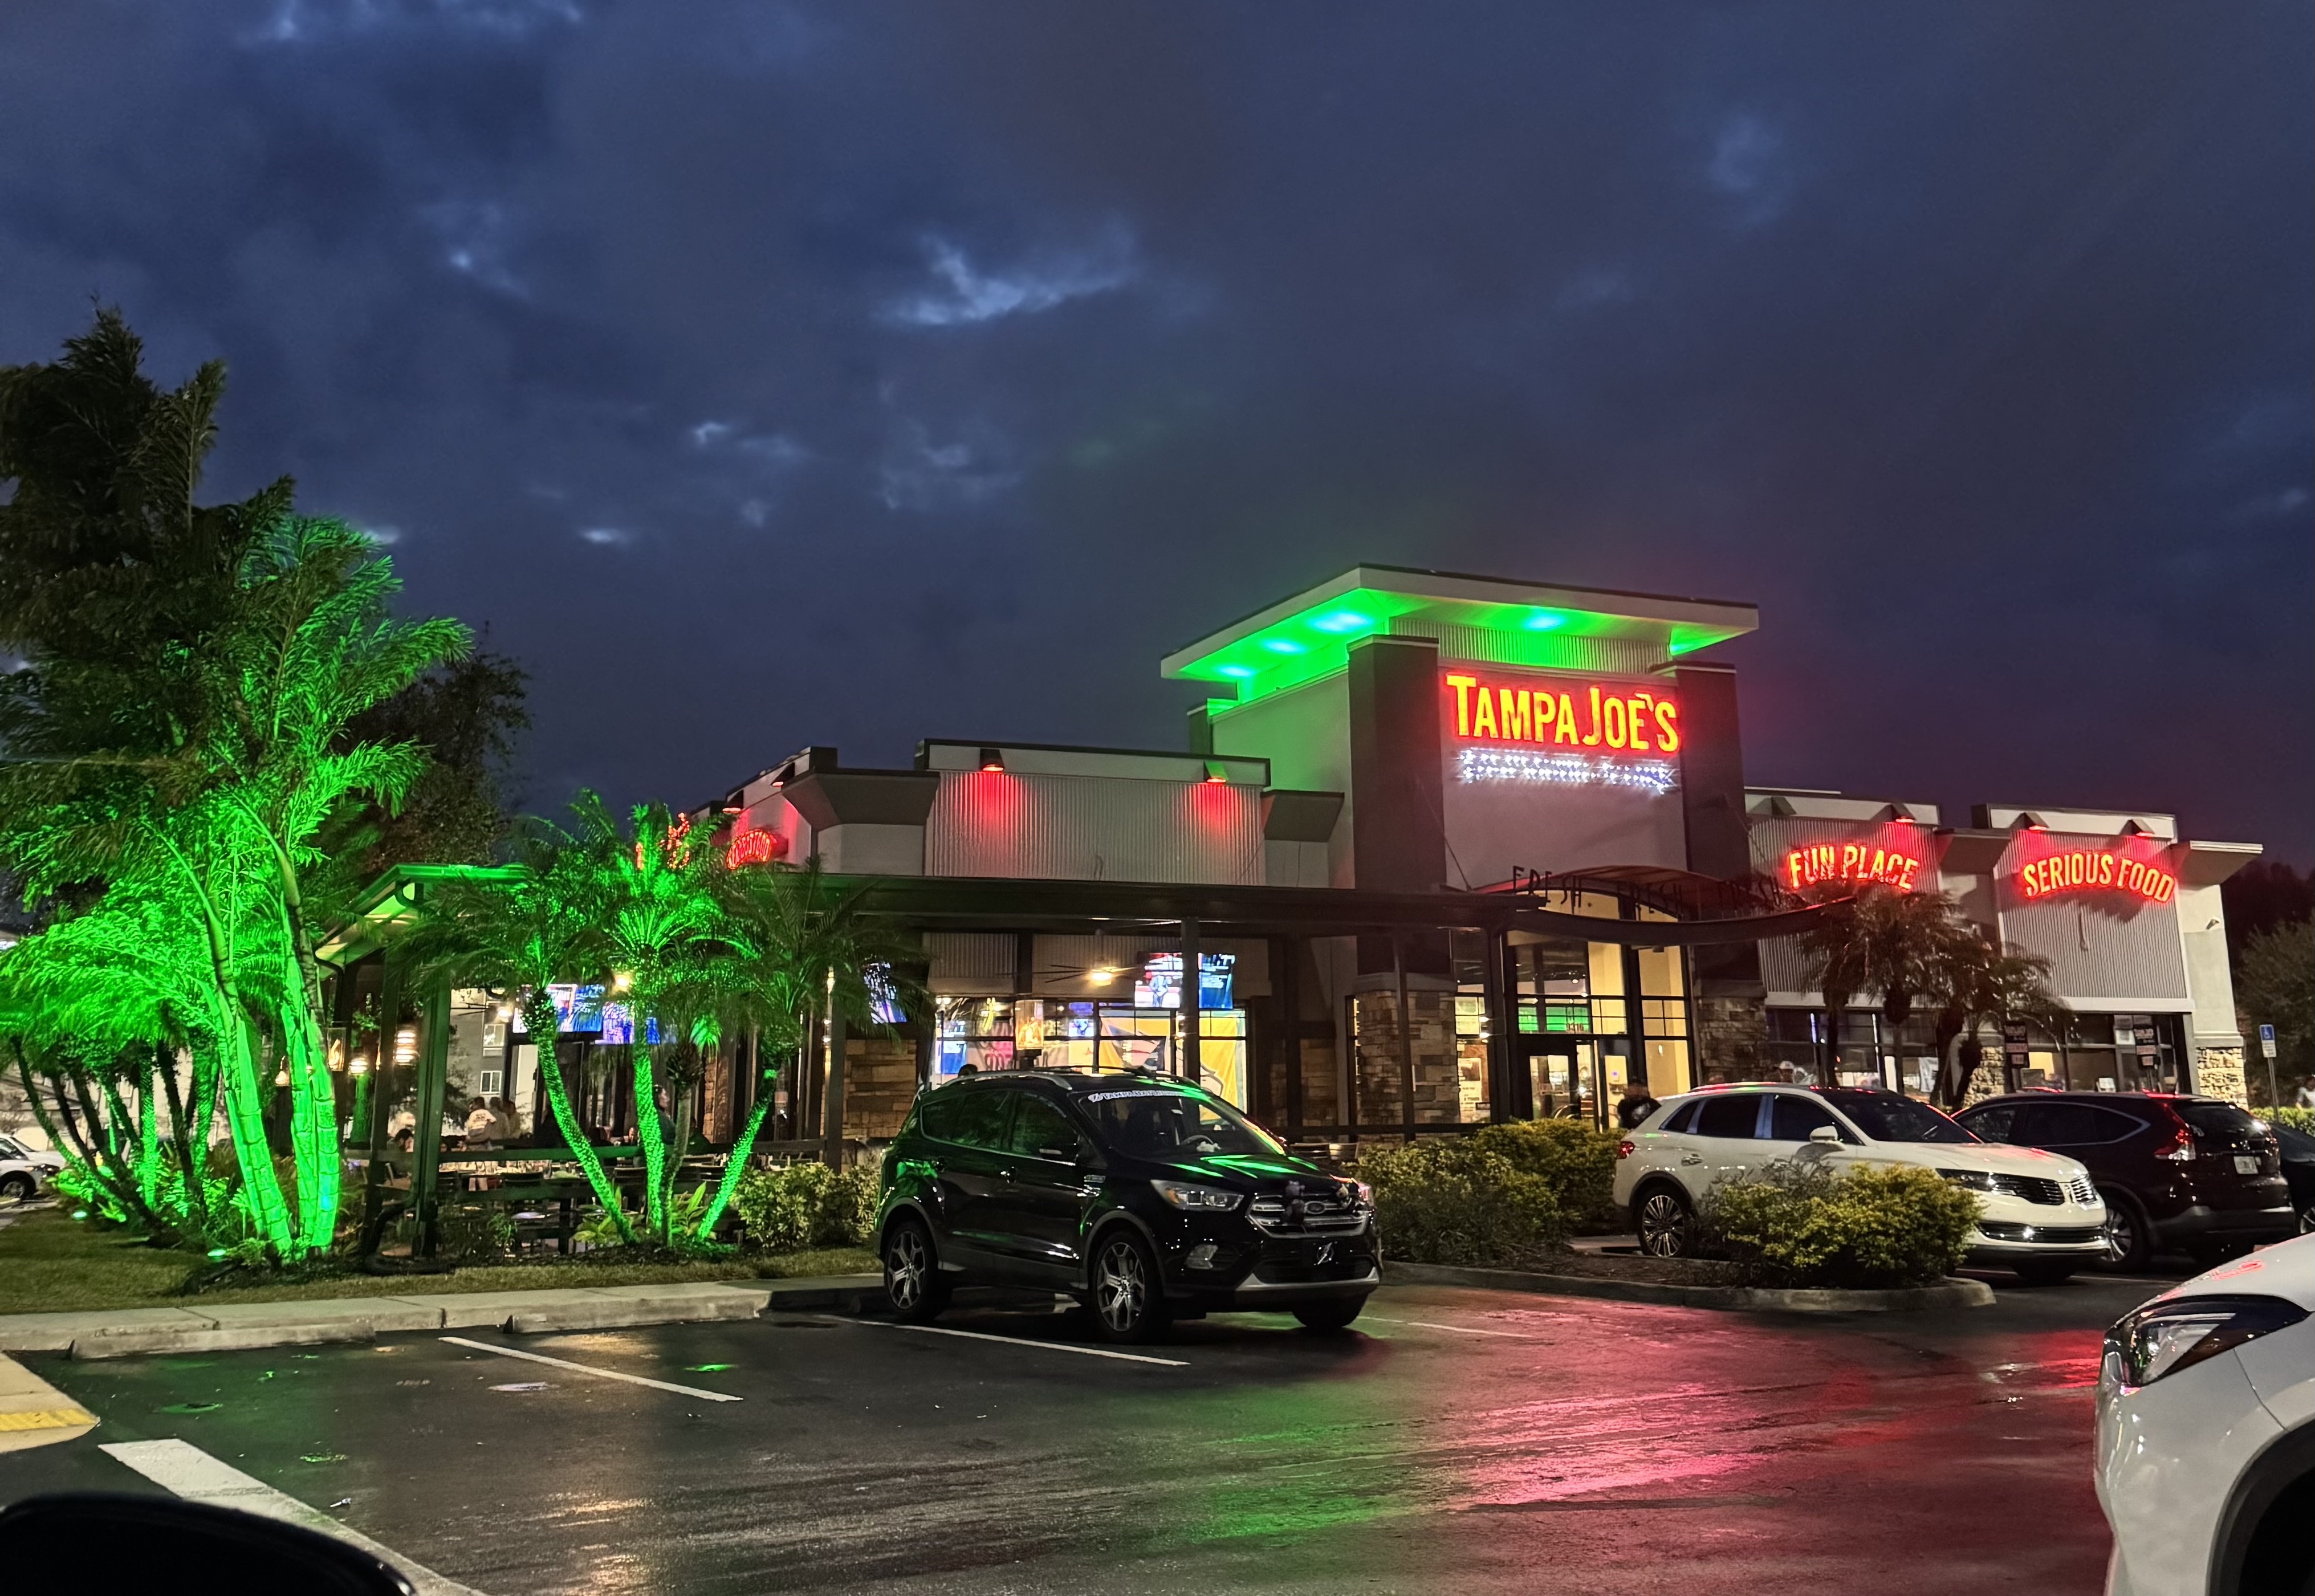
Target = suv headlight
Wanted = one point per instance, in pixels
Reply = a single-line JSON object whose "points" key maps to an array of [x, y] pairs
{"points": [[1196, 1199], [1977, 1180], [2166, 1336]]}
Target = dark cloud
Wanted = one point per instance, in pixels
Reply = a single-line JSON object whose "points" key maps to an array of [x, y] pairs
{"points": [[853, 373]]}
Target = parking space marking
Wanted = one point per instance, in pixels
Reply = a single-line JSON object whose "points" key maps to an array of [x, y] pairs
{"points": [[182, 1467], [608, 1374], [1049, 1346], [1458, 1329]]}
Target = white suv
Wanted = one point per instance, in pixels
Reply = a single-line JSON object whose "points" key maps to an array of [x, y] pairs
{"points": [[2041, 1215]]}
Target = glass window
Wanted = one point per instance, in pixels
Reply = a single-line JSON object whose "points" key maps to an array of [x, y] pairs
{"points": [[2218, 1119], [1160, 1122], [1040, 1129], [2078, 1124], [1664, 1016], [1885, 1116], [1791, 1119], [1993, 1124], [1607, 970], [1660, 973], [974, 1117], [1608, 1017], [1734, 1116], [1683, 1120]]}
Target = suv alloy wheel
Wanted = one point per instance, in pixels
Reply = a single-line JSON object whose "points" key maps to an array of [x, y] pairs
{"points": [[16, 1186], [912, 1281], [2128, 1243], [1664, 1222], [1129, 1303]]}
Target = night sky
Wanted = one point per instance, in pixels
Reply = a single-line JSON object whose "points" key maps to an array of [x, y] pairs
{"points": [[762, 375]]}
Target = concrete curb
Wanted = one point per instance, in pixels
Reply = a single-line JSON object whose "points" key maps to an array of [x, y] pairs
{"points": [[242, 1326], [34, 1413], [1950, 1293]]}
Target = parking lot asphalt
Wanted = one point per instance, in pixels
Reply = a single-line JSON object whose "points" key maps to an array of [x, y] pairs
{"points": [[1458, 1441]]}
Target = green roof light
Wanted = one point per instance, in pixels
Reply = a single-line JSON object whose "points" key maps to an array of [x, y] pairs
{"points": [[1342, 620], [1545, 620], [1237, 671], [1280, 645]]}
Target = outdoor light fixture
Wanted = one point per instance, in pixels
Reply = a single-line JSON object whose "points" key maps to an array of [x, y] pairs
{"points": [[992, 758], [621, 980], [1342, 620], [1235, 672], [1101, 975], [1543, 620], [1283, 645], [405, 1044], [361, 1065], [1215, 773], [337, 1056]]}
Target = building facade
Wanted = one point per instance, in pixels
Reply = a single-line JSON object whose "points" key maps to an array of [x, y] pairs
{"points": [[1439, 849]]}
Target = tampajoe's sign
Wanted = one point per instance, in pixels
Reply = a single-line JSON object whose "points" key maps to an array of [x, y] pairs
{"points": [[1610, 716]]}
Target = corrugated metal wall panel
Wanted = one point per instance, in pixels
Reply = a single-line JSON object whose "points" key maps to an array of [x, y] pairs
{"points": [[960, 958], [1072, 827]]}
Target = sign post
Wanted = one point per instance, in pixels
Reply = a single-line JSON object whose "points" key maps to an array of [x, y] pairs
{"points": [[2266, 1046]]}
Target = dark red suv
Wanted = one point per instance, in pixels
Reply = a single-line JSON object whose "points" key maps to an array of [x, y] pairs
{"points": [[2194, 1173]]}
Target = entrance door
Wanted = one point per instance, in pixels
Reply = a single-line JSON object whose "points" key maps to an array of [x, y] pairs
{"points": [[1560, 1077]]}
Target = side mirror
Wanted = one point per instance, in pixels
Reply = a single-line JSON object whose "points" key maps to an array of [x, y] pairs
{"points": [[95, 1540], [1825, 1136]]}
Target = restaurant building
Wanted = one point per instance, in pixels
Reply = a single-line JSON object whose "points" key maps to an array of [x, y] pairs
{"points": [[1439, 849]]}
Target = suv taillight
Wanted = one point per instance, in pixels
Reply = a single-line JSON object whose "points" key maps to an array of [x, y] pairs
{"points": [[1625, 1149], [2181, 1149]]}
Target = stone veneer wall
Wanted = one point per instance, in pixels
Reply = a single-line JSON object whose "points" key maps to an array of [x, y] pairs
{"points": [[1731, 1040], [880, 1082], [2219, 1073], [1437, 1096]]}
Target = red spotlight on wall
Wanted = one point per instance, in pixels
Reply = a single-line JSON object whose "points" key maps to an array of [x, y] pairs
{"points": [[992, 758]]}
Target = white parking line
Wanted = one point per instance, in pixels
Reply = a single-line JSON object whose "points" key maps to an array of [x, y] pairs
{"points": [[1458, 1329], [180, 1467], [608, 1374], [1049, 1346]]}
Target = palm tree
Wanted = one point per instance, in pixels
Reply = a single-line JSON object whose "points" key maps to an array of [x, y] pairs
{"points": [[798, 950], [1978, 983], [1881, 941]]}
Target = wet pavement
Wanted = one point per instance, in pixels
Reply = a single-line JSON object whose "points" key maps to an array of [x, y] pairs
{"points": [[1458, 1442]]}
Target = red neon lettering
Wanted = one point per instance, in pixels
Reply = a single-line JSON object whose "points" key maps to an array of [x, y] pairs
{"points": [[1462, 686], [1515, 702], [1613, 724], [1592, 738]]}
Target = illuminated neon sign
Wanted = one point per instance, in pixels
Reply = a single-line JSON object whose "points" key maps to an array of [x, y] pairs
{"points": [[1856, 862], [754, 848], [1592, 734], [2088, 870], [1614, 717]]}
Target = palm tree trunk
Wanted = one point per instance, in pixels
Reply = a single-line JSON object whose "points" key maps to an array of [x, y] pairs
{"points": [[735, 1164], [652, 1134], [538, 1014]]}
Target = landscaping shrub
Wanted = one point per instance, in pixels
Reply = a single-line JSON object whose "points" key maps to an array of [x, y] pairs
{"points": [[2302, 1119], [1449, 1200], [1577, 1162], [789, 1207], [1796, 1224]]}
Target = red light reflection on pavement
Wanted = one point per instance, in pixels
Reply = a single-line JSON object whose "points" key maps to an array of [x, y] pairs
{"points": [[1726, 1454]]}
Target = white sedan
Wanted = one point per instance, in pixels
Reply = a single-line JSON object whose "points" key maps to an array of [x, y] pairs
{"points": [[2207, 1432], [24, 1170]]}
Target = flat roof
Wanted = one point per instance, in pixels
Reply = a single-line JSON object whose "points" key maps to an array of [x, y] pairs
{"points": [[1309, 634]]}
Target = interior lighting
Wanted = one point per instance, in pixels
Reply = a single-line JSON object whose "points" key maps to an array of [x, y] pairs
{"points": [[281, 1076], [992, 758], [1342, 620], [1100, 975]]}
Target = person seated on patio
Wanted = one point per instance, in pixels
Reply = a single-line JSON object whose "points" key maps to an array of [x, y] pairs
{"points": [[509, 1129], [482, 1124]]}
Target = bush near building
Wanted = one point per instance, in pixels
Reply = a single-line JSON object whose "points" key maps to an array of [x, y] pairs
{"points": [[1447, 1199], [788, 1207], [1798, 1225], [2302, 1119], [1576, 1160]]}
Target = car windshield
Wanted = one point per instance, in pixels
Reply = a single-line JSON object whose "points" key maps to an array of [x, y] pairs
{"points": [[1885, 1116], [1165, 1123]]}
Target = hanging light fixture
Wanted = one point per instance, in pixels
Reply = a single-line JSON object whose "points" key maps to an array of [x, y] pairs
{"points": [[405, 1044]]}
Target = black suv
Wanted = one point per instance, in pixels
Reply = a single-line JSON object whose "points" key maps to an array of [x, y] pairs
{"points": [[1143, 1197], [2192, 1173]]}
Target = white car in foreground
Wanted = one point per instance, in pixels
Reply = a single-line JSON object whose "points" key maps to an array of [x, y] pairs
{"points": [[2207, 1432], [2040, 1215]]}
